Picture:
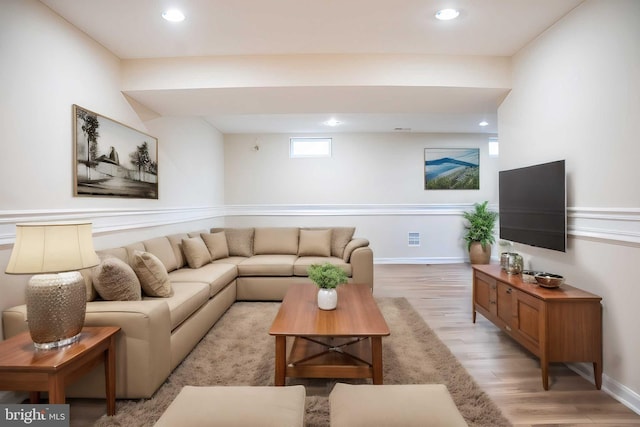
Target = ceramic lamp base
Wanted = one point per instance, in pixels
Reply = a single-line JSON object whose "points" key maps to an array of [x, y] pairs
{"points": [[56, 306]]}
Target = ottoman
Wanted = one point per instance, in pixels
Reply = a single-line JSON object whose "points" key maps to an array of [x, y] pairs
{"points": [[236, 406], [413, 405]]}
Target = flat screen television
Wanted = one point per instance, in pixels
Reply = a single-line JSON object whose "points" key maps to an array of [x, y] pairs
{"points": [[533, 205]]}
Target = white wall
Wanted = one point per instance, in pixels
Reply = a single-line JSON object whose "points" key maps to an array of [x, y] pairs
{"points": [[372, 181], [576, 96], [48, 65]]}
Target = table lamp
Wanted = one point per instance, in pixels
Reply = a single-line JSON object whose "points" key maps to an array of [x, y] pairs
{"points": [[56, 295]]}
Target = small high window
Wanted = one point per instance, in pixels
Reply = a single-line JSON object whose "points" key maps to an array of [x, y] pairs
{"points": [[309, 147]]}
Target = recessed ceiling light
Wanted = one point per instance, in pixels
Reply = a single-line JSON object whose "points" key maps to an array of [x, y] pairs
{"points": [[173, 15], [447, 14], [483, 123], [332, 122]]}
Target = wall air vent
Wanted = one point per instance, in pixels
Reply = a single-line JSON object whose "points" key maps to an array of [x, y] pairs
{"points": [[414, 239]]}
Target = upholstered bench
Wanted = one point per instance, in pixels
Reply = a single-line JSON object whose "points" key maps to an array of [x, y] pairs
{"points": [[236, 406], [413, 405]]}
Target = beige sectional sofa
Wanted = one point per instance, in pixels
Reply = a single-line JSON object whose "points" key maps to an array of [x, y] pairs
{"points": [[203, 273]]}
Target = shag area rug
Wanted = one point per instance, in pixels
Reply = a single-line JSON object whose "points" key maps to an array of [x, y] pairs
{"points": [[238, 350]]}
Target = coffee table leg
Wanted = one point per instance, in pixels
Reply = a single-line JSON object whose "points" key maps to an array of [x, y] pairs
{"points": [[281, 360], [376, 359]]}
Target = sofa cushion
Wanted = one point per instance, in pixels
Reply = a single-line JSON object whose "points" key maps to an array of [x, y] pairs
{"points": [[187, 298], [412, 405], [216, 275], [315, 243], [267, 265], [235, 260], [115, 280], [239, 240], [196, 252], [132, 248], [88, 283], [152, 274], [340, 236], [217, 244], [176, 244], [120, 253], [275, 240], [302, 264], [161, 248]]}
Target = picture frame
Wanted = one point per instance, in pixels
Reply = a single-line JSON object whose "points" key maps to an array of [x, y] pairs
{"points": [[112, 159], [451, 168]]}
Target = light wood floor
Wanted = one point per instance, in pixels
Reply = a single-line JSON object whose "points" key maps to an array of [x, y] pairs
{"points": [[506, 371]]}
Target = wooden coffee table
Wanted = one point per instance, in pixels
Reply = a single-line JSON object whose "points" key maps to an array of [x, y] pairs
{"points": [[24, 368], [341, 343]]}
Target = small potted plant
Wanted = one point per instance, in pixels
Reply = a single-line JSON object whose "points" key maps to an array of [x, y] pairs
{"points": [[479, 235], [327, 277]]}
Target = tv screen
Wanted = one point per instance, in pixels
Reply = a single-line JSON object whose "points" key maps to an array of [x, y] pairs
{"points": [[533, 205]]}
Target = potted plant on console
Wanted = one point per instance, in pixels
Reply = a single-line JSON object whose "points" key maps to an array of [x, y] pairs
{"points": [[327, 277], [479, 235]]}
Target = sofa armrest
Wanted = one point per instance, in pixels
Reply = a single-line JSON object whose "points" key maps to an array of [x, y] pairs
{"points": [[354, 244], [362, 265]]}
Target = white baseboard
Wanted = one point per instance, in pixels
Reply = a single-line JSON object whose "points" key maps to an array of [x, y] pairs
{"points": [[620, 392], [421, 260]]}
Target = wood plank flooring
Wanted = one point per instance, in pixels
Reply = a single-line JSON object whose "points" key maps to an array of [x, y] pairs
{"points": [[505, 370]]}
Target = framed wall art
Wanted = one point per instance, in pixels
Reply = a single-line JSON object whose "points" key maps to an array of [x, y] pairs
{"points": [[112, 159], [451, 168]]}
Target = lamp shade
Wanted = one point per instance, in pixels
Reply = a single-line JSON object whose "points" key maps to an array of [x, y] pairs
{"points": [[52, 248]]}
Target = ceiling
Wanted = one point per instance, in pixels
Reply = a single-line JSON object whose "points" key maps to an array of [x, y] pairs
{"points": [[135, 30]]}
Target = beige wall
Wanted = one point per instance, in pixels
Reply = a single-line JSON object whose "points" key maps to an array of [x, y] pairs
{"points": [[576, 96], [48, 65], [372, 181]]}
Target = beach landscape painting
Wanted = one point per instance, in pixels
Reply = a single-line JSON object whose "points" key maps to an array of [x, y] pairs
{"points": [[112, 159], [451, 169]]}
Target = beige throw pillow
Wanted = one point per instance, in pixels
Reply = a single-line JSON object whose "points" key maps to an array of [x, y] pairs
{"points": [[240, 241], [217, 244], [315, 243], [339, 238], [115, 280], [152, 273], [196, 252]]}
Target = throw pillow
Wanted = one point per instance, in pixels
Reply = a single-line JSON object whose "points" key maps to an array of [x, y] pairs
{"points": [[115, 280], [196, 252], [240, 241], [217, 244], [152, 274], [339, 239], [315, 243]]}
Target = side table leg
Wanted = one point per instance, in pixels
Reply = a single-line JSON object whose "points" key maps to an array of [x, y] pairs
{"points": [[56, 389], [110, 375], [281, 360]]}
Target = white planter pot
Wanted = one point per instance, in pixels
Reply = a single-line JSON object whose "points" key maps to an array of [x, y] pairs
{"points": [[327, 299]]}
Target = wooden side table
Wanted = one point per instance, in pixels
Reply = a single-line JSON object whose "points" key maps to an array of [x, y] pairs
{"points": [[23, 368]]}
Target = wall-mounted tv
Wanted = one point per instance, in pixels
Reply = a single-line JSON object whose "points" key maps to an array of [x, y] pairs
{"points": [[533, 205]]}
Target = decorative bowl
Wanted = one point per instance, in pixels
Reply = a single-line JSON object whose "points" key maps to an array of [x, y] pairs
{"points": [[549, 280]]}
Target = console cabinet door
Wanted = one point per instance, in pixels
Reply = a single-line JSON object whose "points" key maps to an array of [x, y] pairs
{"points": [[529, 315], [505, 304], [485, 292]]}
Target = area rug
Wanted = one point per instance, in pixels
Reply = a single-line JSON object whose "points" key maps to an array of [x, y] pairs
{"points": [[239, 351]]}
